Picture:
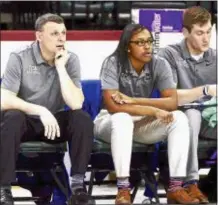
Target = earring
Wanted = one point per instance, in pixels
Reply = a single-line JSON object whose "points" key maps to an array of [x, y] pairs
{"points": [[128, 50]]}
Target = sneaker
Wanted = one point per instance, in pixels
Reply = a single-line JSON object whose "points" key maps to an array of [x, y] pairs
{"points": [[81, 197], [123, 197], [180, 196], [196, 193], [6, 196]]}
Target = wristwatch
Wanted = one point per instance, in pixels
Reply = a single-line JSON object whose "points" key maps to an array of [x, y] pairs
{"points": [[205, 90]]}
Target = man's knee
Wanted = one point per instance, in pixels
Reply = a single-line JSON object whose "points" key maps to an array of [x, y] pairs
{"points": [[81, 119], [194, 118], [193, 113], [13, 121], [14, 116]]}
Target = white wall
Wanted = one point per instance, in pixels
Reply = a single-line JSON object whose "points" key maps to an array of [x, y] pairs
{"points": [[91, 53]]}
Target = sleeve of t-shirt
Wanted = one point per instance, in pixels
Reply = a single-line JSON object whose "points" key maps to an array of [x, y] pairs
{"points": [[11, 78], [167, 55], [164, 75], [109, 75], [74, 69]]}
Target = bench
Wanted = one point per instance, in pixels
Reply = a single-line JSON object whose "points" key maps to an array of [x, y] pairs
{"points": [[145, 158]]}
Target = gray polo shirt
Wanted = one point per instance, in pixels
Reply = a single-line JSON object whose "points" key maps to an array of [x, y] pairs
{"points": [[188, 72], [155, 75], [33, 80]]}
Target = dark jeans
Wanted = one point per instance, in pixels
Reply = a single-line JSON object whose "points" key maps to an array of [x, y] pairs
{"points": [[76, 127]]}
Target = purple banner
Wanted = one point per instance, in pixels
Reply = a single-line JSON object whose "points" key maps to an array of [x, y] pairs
{"points": [[161, 20]]}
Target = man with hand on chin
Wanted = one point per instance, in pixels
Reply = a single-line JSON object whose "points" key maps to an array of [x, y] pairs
{"points": [[38, 82]]}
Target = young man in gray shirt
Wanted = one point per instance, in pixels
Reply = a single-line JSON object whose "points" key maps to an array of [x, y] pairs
{"points": [[128, 77], [38, 82], [194, 67]]}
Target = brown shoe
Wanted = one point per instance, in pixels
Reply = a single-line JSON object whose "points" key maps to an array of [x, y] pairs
{"points": [[123, 197], [180, 196], [196, 193]]}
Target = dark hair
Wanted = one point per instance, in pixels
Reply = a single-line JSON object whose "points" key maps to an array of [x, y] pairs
{"points": [[121, 52], [195, 15], [42, 20]]}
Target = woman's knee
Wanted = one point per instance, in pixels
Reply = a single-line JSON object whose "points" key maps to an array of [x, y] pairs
{"points": [[122, 130], [180, 123], [115, 126], [122, 120], [180, 118]]}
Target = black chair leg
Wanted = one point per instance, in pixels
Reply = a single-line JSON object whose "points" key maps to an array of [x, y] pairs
{"points": [[134, 192], [91, 182], [62, 186], [150, 180]]}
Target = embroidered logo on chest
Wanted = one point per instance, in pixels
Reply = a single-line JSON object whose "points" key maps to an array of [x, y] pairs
{"points": [[147, 76], [32, 69]]}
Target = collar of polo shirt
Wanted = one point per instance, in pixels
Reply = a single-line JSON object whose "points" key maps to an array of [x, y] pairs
{"points": [[207, 57], [133, 71], [37, 53]]}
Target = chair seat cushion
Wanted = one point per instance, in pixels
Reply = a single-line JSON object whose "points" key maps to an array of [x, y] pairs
{"points": [[205, 143], [206, 148], [36, 146], [101, 146]]}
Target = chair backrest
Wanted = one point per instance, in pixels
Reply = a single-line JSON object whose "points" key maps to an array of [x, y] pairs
{"points": [[93, 97]]}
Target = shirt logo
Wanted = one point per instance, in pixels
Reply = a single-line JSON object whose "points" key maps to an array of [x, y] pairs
{"points": [[147, 76], [32, 69], [124, 75]]}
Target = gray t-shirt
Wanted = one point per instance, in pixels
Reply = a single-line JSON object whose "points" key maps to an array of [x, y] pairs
{"points": [[188, 72], [35, 81], [156, 75]]}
